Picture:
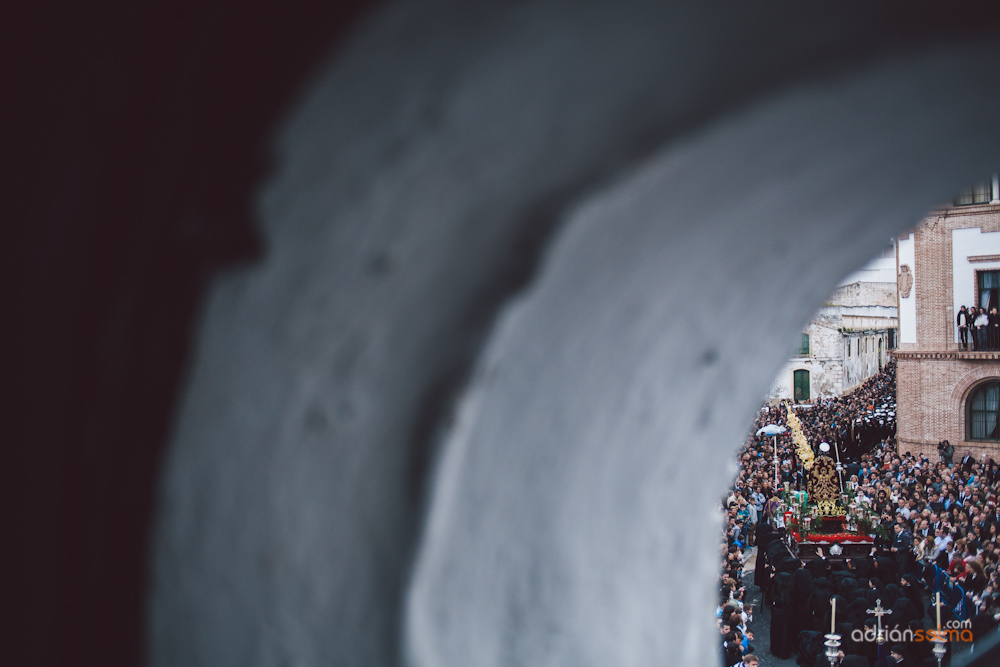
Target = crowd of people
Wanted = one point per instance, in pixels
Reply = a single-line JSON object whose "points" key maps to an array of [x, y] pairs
{"points": [[941, 513], [979, 327]]}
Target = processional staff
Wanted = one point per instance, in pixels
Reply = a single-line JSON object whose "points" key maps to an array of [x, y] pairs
{"points": [[879, 612], [832, 643], [840, 468], [939, 640]]}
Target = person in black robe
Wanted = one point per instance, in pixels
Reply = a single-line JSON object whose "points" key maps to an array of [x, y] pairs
{"points": [[818, 567], [902, 613], [819, 602], [862, 567], [781, 643], [760, 573], [920, 651], [857, 611], [809, 647], [802, 590], [847, 587], [891, 593], [963, 323], [912, 590], [984, 622], [886, 568], [993, 335]]}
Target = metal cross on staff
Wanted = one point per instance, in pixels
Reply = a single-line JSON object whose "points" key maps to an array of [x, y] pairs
{"points": [[879, 612]]}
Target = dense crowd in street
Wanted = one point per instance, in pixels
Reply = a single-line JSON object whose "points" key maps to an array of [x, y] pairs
{"points": [[941, 512]]}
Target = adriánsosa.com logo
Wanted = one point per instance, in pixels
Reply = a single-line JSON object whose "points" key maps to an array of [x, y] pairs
{"points": [[952, 631]]}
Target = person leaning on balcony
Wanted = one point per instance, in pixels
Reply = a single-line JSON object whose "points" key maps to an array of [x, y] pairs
{"points": [[982, 323], [972, 328], [993, 339], [962, 320]]}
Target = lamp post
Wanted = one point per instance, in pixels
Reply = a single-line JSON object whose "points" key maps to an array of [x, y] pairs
{"points": [[773, 430], [775, 440]]}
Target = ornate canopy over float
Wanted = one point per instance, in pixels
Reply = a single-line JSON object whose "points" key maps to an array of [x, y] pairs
{"points": [[825, 519]]}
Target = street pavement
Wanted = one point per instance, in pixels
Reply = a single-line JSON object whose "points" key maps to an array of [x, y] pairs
{"points": [[761, 624]]}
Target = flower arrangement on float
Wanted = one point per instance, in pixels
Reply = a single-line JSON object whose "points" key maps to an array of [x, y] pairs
{"points": [[831, 538], [802, 448]]}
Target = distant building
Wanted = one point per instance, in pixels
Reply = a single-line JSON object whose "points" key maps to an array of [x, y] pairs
{"points": [[944, 392], [848, 340]]}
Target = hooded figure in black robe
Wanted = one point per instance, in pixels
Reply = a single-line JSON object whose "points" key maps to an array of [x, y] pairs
{"points": [[982, 624], [857, 612], [887, 568], [902, 613], [763, 537], [862, 567], [802, 590], [890, 595], [809, 647], [847, 586], [781, 641], [912, 592], [819, 602], [818, 568]]}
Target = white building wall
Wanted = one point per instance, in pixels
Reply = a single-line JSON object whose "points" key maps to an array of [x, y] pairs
{"points": [[824, 361], [866, 357], [839, 358], [967, 243], [908, 306], [879, 270]]}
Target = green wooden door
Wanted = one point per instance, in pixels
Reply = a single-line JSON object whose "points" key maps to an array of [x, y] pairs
{"points": [[801, 385]]}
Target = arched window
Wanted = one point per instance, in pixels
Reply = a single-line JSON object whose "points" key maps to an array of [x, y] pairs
{"points": [[982, 412]]}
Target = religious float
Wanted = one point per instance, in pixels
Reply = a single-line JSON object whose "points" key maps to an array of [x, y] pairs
{"points": [[825, 520]]}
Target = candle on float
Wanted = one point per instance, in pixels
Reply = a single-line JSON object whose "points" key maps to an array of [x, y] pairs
{"points": [[938, 606], [833, 616]]}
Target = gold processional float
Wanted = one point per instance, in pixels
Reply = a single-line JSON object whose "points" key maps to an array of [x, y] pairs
{"points": [[827, 518]]}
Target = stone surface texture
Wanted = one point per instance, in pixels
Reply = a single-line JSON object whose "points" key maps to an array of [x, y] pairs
{"points": [[694, 198]]}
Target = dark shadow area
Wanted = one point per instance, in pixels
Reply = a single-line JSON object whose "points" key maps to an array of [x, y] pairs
{"points": [[135, 135]]}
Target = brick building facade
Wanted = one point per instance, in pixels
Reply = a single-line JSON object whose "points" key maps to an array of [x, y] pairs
{"points": [[945, 392]]}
